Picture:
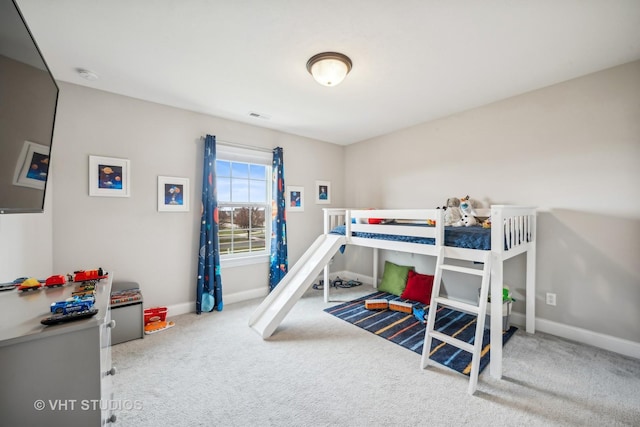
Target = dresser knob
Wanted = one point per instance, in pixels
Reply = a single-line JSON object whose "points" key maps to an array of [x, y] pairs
{"points": [[111, 324], [112, 371]]}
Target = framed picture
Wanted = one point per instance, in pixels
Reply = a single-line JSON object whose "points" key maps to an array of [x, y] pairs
{"points": [[32, 166], [173, 194], [109, 177], [323, 192], [295, 199]]}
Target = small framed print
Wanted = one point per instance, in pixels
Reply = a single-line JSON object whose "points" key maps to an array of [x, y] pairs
{"points": [[173, 194], [33, 166], [109, 177], [295, 199], [323, 192]]}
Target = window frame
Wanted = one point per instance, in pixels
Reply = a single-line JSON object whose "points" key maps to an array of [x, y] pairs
{"points": [[257, 157]]}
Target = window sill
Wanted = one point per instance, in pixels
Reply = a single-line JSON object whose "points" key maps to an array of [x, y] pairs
{"points": [[245, 260]]}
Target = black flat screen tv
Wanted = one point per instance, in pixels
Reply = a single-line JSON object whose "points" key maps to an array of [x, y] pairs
{"points": [[28, 102]]}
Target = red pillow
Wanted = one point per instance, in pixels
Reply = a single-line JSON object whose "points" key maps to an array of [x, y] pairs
{"points": [[418, 287]]}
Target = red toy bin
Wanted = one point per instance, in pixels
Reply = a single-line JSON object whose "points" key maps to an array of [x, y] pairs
{"points": [[155, 314]]}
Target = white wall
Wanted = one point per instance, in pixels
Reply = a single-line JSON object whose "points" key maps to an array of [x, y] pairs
{"points": [[572, 150], [128, 235], [26, 242]]}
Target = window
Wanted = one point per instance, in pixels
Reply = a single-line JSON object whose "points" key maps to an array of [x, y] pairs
{"points": [[243, 179]]}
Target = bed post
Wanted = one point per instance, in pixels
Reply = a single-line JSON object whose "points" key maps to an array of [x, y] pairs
{"points": [[327, 228], [440, 227], [375, 268], [531, 277], [497, 236], [326, 282]]}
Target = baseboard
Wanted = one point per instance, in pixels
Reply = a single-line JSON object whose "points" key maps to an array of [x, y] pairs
{"points": [[183, 308], [585, 336], [246, 295], [347, 275], [190, 307]]}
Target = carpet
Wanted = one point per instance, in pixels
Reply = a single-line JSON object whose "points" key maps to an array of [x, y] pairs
{"points": [[407, 331]]}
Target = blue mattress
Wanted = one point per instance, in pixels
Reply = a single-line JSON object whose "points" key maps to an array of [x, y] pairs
{"points": [[474, 237]]}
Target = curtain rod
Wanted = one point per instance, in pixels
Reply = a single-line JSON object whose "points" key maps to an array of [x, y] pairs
{"points": [[248, 147]]}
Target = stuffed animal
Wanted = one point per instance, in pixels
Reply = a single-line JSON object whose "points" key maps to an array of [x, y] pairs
{"points": [[486, 223], [452, 213], [468, 220], [466, 206]]}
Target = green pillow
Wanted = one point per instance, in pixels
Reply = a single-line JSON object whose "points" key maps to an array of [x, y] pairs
{"points": [[394, 278]]}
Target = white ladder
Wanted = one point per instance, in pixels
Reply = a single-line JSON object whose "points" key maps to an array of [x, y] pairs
{"points": [[479, 310]]}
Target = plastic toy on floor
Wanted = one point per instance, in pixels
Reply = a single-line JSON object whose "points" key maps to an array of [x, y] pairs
{"points": [[376, 304], [155, 320], [401, 306], [419, 314]]}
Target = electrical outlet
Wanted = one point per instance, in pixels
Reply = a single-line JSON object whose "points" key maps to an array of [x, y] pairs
{"points": [[551, 299]]}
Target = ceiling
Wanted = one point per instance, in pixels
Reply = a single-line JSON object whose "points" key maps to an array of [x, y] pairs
{"points": [[413, 60]]}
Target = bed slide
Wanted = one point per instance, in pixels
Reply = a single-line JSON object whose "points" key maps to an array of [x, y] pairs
{"points": [[293, 285]]}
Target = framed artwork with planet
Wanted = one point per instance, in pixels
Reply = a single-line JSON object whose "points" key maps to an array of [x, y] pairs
{"points": [[173, 194], [109, 177]]}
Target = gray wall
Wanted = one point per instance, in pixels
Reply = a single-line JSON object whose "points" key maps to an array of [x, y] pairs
{"points": [[129, 235], [26, 243], [571, 149]]}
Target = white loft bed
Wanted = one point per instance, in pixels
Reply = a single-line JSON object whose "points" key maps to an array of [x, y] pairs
{"points": [[513, 232]]}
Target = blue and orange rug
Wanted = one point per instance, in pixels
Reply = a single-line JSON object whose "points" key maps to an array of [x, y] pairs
{"points": [[407, 331]]}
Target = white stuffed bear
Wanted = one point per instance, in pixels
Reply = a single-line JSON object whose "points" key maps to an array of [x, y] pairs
{"points": [[452, 215]]}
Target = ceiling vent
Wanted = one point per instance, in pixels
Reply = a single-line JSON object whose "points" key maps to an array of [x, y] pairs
{"points": [[258, 115]]}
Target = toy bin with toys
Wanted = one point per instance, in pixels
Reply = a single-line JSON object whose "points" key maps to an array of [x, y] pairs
{"points": [[155, 320], [507, 301]]}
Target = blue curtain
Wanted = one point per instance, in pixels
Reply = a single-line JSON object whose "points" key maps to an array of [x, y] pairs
{"points": [[209, 289], [279, 260]]}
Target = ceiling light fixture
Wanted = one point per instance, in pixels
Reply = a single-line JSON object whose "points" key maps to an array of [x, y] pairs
{"points": [[329, 68]]}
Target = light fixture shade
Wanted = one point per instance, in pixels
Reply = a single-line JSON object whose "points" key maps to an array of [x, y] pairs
{"points": [[329, 68]]}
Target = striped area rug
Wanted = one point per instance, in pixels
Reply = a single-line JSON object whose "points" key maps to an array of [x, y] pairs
{"points": [[407, 331]]}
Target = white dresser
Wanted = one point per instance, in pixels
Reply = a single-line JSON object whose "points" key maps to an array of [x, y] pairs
{"points": [[59, 374]]}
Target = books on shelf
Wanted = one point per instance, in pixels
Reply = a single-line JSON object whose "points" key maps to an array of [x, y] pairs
{"points": [[127, 295]]}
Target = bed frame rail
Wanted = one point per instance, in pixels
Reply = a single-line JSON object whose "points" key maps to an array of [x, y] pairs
{"points": [[517, 231]]}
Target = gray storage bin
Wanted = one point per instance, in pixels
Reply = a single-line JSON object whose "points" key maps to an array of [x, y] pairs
{"points": [[126, 310]]}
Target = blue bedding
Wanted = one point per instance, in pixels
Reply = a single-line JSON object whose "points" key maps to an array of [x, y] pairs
{"points": [[474, 237]]}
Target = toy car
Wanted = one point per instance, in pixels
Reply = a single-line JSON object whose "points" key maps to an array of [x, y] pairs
{"points": [[11, 285], [30, 284], [84, 290], [57, 280], [72, 305]]}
